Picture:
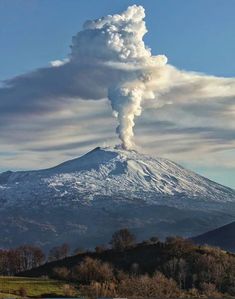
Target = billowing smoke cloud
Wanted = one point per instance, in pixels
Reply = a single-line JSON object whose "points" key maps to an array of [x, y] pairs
{"points": [[117, 41], [109, 59]]}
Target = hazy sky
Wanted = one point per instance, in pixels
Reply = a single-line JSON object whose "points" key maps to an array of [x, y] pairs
{"points": [[194, 35]]}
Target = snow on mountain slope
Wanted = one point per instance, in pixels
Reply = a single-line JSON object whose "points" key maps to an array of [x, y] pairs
{"points": [[83, 201], [115, 173]]}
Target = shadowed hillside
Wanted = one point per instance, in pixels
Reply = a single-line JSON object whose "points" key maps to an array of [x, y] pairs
{"points": [[223, 237]]}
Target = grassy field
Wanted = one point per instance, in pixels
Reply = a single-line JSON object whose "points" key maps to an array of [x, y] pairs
{"points": [[34, 287]]}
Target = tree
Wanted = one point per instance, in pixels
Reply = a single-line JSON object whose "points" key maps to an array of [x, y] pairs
{"points": [[92, 270], [18, 259], [145, 286], [154, 240], [61, 273], [100, 248], [26, 257], [122, 239], [58, 252]]}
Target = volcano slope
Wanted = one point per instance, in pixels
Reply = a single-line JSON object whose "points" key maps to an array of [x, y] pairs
{"points": [[83, 201]]}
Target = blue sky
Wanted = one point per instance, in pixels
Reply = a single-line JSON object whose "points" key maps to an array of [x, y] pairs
{"points": [[194, 35]]}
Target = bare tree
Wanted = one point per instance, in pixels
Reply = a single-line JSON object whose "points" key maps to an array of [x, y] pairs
{"points": [[122, 239], [58, 252], [93, 270]]}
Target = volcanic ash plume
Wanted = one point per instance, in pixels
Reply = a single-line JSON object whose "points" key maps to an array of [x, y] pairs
{"points": [[126, 104], [116, 42]]}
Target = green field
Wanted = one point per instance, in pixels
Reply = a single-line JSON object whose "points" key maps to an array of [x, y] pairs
{"points": [[34, 287]]}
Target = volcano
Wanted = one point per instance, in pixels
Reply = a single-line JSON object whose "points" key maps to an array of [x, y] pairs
{"points": [[84, 200]]}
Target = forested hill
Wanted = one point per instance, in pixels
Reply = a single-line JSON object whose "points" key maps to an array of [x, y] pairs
{"points": [[190, 266]]}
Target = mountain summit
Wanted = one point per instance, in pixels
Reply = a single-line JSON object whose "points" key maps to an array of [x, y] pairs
{"points": [[111, 188]]}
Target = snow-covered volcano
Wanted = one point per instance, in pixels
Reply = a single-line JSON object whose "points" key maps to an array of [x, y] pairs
{"points": [[112, 172], [116, 181]]}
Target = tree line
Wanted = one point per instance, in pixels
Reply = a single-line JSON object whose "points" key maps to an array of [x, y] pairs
{"points": [[26, 257]]}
